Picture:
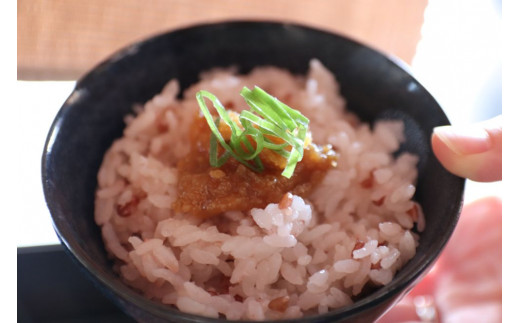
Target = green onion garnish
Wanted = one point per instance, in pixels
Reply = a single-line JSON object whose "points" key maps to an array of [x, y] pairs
{"points": [[268, 116]]}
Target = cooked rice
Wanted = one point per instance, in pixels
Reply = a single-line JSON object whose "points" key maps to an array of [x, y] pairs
{"points": [[316, 255]]}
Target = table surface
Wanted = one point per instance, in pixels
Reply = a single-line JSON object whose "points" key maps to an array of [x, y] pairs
{"points": [[51, 288]]}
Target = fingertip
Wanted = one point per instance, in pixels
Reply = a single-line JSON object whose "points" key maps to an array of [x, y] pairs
{"points": [[464, 140], [474, 153], [447, 156]]}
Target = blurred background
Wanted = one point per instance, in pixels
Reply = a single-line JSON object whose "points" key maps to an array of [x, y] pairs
{"points": [[452, 47]]}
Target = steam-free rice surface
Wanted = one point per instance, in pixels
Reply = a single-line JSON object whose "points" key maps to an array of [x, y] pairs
{"points": [[353, 232]]}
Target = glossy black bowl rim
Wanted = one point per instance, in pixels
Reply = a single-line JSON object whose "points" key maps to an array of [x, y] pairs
{"points": [[168, 313]]}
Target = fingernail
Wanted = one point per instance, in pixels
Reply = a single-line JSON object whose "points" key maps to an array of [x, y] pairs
{"points": [[464, 140]]}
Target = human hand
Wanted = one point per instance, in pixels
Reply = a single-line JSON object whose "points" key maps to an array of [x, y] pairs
{"points": [[473, 152], [465, 285]]}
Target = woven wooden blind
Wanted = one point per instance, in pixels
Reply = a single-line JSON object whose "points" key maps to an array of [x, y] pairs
{"points": [[60, 39]]}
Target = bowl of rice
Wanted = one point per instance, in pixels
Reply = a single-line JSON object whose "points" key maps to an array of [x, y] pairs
{"points": [[250, 171]]}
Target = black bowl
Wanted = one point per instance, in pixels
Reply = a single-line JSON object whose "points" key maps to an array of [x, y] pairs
{"points": [[376, 87]]}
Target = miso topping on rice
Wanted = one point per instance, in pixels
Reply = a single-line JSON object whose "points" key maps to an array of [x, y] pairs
{"points": [[257, 237]]}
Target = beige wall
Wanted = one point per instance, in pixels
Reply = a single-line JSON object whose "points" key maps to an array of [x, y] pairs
{"points": [[60, 39]]}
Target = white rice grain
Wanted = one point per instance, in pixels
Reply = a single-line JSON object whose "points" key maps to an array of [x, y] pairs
{"points": [[290, 274], [389, 228], [346, 266], [381, 276], [254, 310], [203, 257], [275, 240], [366, 250], [189, 305], [268, 270], [196, 293], [318, 282], [148, 246], [112, 242], [390, 259], [166, 257]]}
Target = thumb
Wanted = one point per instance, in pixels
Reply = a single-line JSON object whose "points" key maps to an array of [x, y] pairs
{"points": [[473, 151]]}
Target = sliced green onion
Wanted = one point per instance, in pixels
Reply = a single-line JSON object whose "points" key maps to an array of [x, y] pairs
{"points": [[214, 160], [268, 117]]}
